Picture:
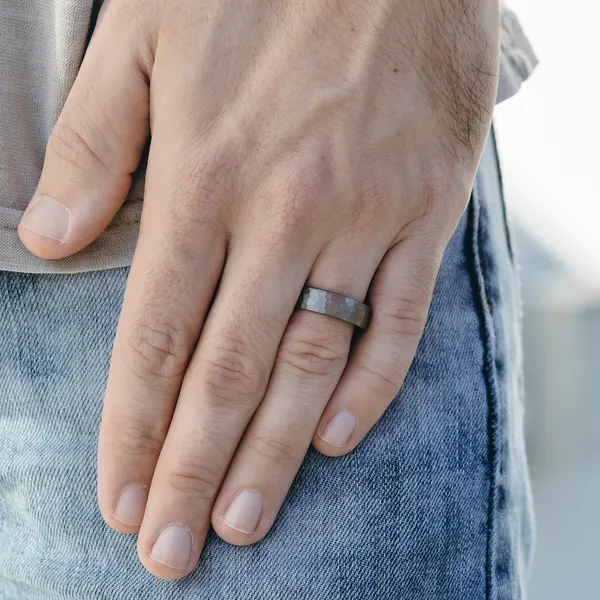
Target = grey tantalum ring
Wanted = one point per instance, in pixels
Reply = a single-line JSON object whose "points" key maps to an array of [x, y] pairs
{"points": [[334, 305]]}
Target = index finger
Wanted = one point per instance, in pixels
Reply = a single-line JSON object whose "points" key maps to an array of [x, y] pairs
{"points": [[175, 270]]}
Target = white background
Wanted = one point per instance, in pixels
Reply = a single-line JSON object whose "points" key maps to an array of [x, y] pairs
{"points": [[549, 138], [549, 133]]}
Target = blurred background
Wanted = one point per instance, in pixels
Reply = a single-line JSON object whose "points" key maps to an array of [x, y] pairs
{"points": [[549, 135]]}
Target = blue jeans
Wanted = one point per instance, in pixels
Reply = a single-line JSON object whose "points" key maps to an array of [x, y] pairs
{"points": [[434, 504]]}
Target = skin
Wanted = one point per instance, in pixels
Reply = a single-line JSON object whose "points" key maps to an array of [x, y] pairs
{"points": [[317, 141]]}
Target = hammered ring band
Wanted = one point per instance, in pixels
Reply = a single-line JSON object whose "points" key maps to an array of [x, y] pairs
{"points": [[334, 305]]}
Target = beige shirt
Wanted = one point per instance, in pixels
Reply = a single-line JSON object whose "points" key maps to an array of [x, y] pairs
{"points": [[41, 46]]}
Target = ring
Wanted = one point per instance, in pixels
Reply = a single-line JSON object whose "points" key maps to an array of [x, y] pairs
{"points": [[334, 305]]}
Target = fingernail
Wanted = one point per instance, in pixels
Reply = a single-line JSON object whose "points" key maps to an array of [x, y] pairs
{"points": [[131, 505], [244, 512], [47, 217], [173, 547], [339, 429]]}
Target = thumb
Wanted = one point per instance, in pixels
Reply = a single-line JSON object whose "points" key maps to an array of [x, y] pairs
{"points": [[94, 148]]}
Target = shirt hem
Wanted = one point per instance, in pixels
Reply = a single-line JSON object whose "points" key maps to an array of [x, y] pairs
{"points": [[114, 248]]}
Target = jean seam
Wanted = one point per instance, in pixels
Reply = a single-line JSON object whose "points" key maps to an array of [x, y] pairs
{"points": [[488, 339], [507, 228]]}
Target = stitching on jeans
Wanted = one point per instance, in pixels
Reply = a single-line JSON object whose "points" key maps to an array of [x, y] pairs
{"points": [[487, 329], [507, 230]]}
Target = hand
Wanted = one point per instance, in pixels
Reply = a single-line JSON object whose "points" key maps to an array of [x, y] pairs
{"points": [[317, 141]]}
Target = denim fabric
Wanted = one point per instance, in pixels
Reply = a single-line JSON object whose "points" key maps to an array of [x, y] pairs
{"points": [[434, 504]]}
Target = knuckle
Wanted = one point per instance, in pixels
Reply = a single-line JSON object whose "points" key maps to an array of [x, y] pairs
{"points": [[306, 181], [312, 351], [404, 317], [232, 372], [383, 378], [374, 202], [301, 185], [138, 438], [69, 143], [439, 194], [202, 182], [194, 479], [436, 180], [157, 349], [207, 172], [274, 448]]}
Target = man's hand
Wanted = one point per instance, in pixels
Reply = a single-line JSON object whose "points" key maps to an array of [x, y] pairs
{"points": [[332, 142]]}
